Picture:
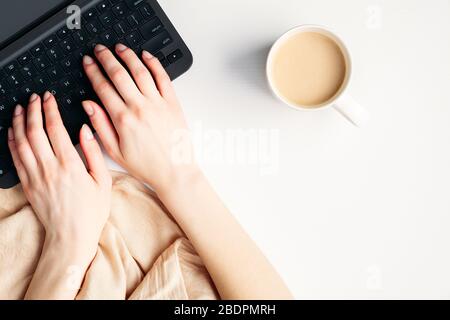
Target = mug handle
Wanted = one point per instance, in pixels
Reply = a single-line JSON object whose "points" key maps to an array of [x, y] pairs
{"points": [[352, 110]]}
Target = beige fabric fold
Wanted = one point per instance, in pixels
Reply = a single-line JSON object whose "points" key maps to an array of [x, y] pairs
{"points": [[142, 253]]}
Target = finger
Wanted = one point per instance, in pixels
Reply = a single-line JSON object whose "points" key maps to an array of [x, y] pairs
{"points": [[162, 79], [23, 147], [104, 128], [35, 132], [57, 133], [104, 89], [139, 71], [21, 172], [94, 157], [118, 75]]}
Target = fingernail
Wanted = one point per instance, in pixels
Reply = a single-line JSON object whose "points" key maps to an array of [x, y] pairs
{"points": [[88, 135], [99, 48], [10, 134], [33, 97], [147, 55], [47, 95], [87, 106], [18, 111], [121, 47], [88, 60]]}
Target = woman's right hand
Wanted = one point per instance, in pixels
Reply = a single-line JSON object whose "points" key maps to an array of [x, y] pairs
{"points": [[147, 133], [148, 136]]}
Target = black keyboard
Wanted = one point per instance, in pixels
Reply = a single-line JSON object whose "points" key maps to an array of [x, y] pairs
{"points": [[55, 63]]}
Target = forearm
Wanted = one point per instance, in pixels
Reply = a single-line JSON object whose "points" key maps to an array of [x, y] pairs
{"points": [[60, 271], [236, 265]]}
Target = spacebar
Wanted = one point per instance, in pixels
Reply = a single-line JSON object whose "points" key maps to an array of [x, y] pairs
{"points": [[158, 42]]}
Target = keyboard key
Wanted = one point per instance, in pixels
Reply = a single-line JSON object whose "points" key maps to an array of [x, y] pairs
{"points": [[90, 14], [81, 94], [67, 84], [160, 56], [25, 58], [91, 45], [4, 88], [72, 112], [55, 53], [107, 19], [41, 62], [67, 45], [109, 38], [37, 50], [78, 117], [175, 56], [11, 67], [80, 37], [121, 28], [14, 99], [63, 33], [78, 75], [3, 106], [102, 7], [162, 59], [27, 90], [28, 71], [134, 39], [135, 19], [164, 62], [55, 73], [54, 90], [5, 109], [79, 54], [151, 28], [15, 80], [158, 42], [50, 41], [6, 164], [119, 10], [68, 64], [3, 126], [146, 11], [94, 27], [82, 81], [41, 83]]}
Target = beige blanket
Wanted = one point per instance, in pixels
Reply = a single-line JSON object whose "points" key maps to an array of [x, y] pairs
{"points": [[142, 254]]}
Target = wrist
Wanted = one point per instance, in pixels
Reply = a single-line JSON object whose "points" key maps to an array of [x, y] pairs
{"points": [[180, 179], [70, 248], [60, 271]]}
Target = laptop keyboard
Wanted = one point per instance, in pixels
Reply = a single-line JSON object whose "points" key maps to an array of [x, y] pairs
{"points": [[55, 63]]}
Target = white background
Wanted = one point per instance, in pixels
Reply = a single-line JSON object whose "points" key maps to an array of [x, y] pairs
{"points": [[350, 213]]}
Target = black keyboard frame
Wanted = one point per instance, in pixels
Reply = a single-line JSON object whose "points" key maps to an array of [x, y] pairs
{"points": [[175, 56]]}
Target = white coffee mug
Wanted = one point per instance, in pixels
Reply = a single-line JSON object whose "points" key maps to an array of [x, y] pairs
{"points": [[342, 102]]}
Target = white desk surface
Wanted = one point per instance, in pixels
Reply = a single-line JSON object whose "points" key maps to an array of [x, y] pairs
{"points": [[350, 213]]}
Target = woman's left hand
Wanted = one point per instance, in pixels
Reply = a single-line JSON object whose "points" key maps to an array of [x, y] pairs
{"points": [[71, 202]]}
